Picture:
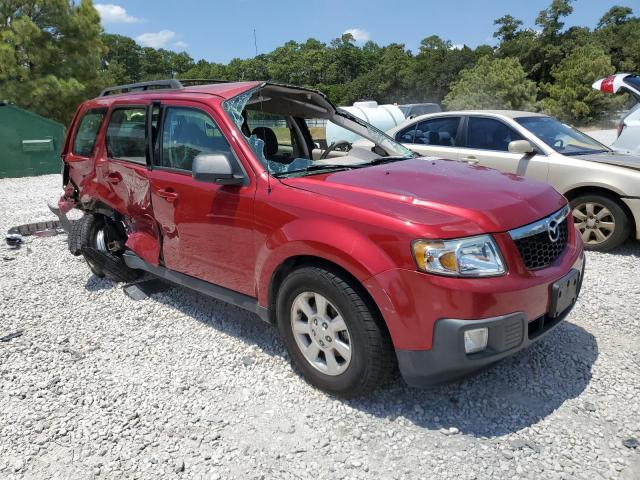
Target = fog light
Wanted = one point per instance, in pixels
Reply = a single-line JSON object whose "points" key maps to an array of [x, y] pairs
{"points": [[476, 340]]}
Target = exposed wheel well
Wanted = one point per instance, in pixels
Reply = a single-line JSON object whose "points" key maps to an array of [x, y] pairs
{"points": [[293, 263], [593, 190]]}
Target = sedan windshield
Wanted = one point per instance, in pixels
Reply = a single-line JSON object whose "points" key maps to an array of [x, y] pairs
{"points": [[562, 138]]}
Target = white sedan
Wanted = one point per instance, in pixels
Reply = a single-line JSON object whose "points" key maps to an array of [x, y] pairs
{"points": [[603, 186]]}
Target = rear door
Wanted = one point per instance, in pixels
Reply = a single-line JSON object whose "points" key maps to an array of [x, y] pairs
{"points": [[433, 137], [207, 229], [486, 143], [122, 175]]}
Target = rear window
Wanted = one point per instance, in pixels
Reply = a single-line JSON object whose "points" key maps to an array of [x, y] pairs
{"points": [[87, 132], [633, 80], [126, 135]]}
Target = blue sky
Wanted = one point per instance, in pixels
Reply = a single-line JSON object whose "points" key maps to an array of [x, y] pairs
{"points": [[221, 30]]}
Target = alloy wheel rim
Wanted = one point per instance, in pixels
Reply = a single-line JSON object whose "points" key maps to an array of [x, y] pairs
{"points": [[594, 221], [321, 333], [100, 241]]}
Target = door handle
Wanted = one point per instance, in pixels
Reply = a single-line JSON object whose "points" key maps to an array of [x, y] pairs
{"points": [[114, 178], [169, 195]]}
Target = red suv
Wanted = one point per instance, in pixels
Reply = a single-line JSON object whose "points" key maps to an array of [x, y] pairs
{"points": [[365, 257]]}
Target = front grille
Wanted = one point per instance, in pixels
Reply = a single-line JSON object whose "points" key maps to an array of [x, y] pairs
{"points": [[538, 251], [534, 242]]}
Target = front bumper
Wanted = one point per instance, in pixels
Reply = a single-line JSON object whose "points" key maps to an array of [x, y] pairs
{"points": [[447, 360]]}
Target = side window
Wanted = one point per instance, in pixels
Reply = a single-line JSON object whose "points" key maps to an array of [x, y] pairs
{"points": [[437, 131], [490, 134], [87, 131], [275, 131], [126, 135], [406, 135], [186, 133]]}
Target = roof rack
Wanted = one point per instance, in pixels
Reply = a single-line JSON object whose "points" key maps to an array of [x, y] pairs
{"points": [[141, 86], [173, 84]]}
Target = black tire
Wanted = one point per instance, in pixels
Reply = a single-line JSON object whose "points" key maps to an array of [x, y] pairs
{"points": [[373, 360], [622, 227], [101, 262], [73, 237]]}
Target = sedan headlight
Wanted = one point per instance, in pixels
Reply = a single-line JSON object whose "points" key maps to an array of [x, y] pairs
{"points": [[465, 257]]}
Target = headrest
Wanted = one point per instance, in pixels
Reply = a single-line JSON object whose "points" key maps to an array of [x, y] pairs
{"points": [[269, 138]]}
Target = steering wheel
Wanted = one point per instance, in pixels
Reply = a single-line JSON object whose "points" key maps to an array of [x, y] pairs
{"points": [[334, 146], [558, 143]]}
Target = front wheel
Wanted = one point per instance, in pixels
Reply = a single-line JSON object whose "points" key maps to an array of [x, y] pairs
{"points": [[332, 333], [601, 221]]}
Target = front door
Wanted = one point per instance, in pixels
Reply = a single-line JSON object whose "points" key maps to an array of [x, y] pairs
{"points": [[206, 228], [487, 144]]}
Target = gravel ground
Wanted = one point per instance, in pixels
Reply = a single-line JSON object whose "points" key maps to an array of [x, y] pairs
{"points": [[182, 386]]}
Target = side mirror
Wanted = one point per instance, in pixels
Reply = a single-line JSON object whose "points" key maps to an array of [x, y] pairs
{"points": [[215, 168], [522, 147]]}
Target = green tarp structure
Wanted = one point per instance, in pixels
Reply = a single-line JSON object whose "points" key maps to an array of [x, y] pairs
{"points": [[29, 144]]}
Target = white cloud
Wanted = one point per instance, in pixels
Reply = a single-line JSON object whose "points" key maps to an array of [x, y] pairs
{"points": [[110, 13], [156, 39], [180, 44], [457, 46], [358, 34]]}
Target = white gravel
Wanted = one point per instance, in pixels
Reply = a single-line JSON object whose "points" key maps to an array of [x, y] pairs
{"points": [[182, 386]]}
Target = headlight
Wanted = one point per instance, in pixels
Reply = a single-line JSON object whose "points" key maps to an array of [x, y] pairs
{"points": [[466, 257]]}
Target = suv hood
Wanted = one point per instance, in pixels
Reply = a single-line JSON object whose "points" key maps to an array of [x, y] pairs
{"points": [[450, 198], [612, 158]]}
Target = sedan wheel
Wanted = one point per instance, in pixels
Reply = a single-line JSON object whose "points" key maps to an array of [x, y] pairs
{"points": [[601, 221], [595, 222], [321, 333]]}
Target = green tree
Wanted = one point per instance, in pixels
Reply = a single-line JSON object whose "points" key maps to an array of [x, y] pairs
{"points": [[50, 55], [570, 96], [437, 66], [493, 83], [549, 19], [619, 33], [122, 58], [509, 28]]}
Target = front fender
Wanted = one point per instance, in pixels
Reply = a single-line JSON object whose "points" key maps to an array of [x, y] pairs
{"points": [[341, 244]]}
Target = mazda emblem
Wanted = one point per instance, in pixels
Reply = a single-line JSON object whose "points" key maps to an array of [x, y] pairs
{"points": [[553, 231]]}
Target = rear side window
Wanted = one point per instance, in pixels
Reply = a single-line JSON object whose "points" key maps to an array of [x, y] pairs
{"points": [[437, 131], [186, 133], [87, 132], [490, 134], [126, 135]]}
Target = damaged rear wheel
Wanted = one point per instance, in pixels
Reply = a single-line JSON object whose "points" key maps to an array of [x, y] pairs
{"points": [[101, 245]]}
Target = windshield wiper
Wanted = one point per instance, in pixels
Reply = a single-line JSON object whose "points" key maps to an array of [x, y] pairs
{"points": [[313, 168], [381, 160]]}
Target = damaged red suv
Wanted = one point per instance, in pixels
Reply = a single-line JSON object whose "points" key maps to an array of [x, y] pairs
{"points": [[366, 257]]}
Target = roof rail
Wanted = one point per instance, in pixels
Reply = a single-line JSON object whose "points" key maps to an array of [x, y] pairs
{"points": [[158, 85], [190, 82], [142, 86]]}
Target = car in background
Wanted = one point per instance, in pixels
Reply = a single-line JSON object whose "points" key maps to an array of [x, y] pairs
{"points": [[412, 110], [603, 186], [629, 127]]}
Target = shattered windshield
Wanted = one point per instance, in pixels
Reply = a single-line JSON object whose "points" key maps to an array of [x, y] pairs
{"points": [[298, 132]]}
